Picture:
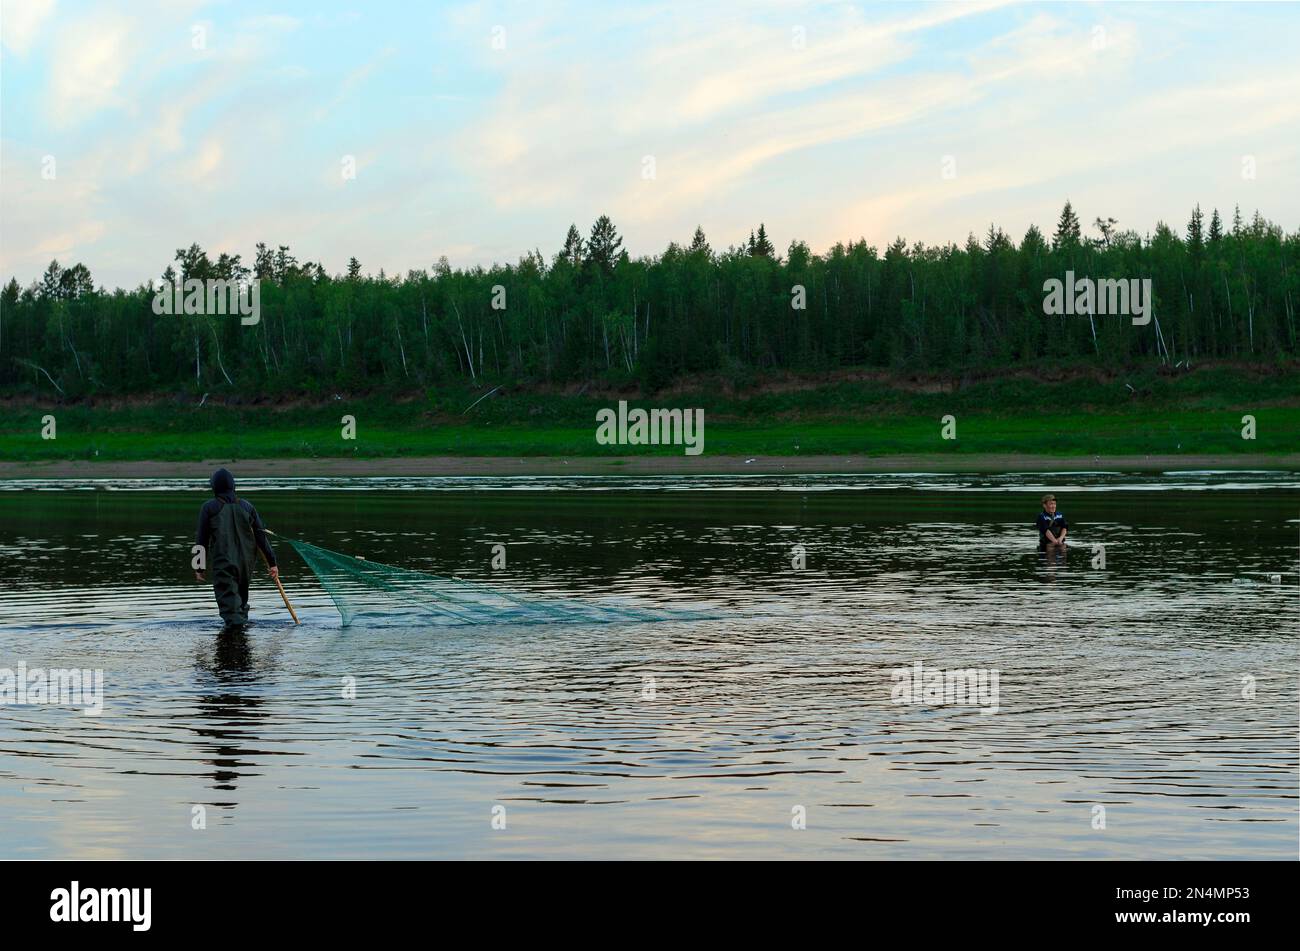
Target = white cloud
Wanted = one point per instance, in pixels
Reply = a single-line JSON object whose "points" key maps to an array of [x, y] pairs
{"points": [[711, 98], [232, 144], [21, 21], [68, 243], [44, 218], [745, 65], [89, 59], [206, 161]]}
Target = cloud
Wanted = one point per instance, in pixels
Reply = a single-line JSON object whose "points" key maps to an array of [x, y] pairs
{"points": [[475, 151], [22, 21], [747, 65], [44, 218], [66, 243], [206, 161], [89, 60], [711, 99], [1114, 159], [355, 78]]}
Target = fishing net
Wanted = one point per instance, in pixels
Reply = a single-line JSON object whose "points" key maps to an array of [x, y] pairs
{"points": [[362, 588]]}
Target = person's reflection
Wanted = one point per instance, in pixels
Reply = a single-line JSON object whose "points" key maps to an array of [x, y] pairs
{"points": [[1052, 559], [227, 708]]}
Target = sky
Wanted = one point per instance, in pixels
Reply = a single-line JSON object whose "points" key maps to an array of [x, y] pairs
{"points": [[399, 133]]}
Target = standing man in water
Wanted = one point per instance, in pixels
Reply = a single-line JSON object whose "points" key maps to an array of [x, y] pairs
{"points": [[229, 528], [1052, 527]]}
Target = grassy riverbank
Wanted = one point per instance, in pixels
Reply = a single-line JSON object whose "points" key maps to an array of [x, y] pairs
{"points": [[1074, 415]]}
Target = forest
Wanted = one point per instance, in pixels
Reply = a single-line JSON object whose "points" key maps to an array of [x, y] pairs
{"points": [[1223, 291]]}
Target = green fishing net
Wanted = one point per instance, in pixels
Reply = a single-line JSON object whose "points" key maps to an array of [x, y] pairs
{"points": [[368, 589]]}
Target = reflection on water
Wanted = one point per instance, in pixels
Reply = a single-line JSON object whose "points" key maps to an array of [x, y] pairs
{"points": [[227, 709], [1159, 686]]}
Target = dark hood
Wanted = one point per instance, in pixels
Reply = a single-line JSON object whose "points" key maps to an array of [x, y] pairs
{"points": [[223, 485]]}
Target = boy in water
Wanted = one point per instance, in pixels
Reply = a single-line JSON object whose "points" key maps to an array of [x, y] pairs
{"points": [[1052, 527], [229, 528]]}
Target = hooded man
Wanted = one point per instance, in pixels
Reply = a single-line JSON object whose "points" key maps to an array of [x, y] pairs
{"points": [[229, 528]]}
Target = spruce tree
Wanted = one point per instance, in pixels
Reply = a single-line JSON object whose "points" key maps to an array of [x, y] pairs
{"points": [[604, 245], [700, 244], [52, 281], [573, 248], [1067, 229], [1195, 238], [1216, 228]]}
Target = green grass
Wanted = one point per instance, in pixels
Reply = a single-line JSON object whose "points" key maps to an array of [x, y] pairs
{"points": [[1198, 413]]}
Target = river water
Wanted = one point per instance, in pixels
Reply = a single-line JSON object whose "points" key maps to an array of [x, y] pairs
{"points": [[1144, 707]]}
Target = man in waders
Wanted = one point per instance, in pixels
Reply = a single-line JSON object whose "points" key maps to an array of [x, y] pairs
{"points": [[229, 528]]}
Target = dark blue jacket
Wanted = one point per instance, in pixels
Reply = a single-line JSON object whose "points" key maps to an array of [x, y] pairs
{"points": [[1054, 523]]}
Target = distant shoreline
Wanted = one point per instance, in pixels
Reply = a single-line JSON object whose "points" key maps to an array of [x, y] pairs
{"points": [[415, 466], [1211, 418]]}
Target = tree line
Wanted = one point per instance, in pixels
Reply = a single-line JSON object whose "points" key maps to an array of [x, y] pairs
{"points": [[593, 312]]}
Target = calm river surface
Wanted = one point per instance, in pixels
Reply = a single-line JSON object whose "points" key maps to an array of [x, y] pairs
{"points": [[1147, 709]]}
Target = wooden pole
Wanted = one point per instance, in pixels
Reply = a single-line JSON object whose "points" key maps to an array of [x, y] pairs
{"points": [[281, 587]]}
